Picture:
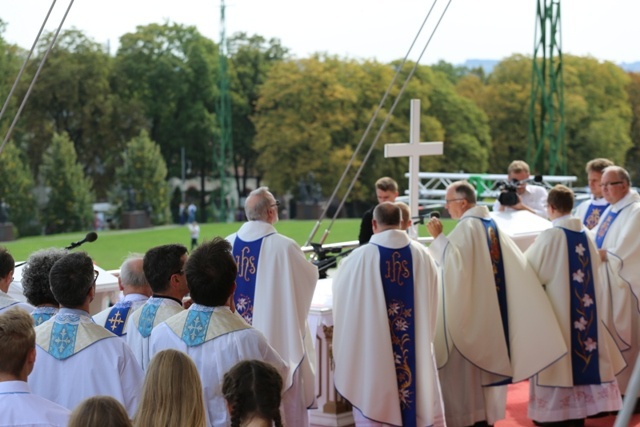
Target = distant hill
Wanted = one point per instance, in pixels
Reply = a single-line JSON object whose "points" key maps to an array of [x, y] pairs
{"points": [[630, 66], [488, 64]]}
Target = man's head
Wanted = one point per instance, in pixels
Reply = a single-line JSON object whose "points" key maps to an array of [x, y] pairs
{"points": [[615, 183], [164, 269], [459, 198], [594, 170], [386, 189], [35, 276], [406, 215], [17, 344], [386, 216], [73, 280], [518, 170], [559, 201], [261, 206], [211, 273], [132, 279], [7, 265]]}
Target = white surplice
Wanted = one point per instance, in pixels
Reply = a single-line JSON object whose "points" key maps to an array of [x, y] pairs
{"points": [[623, 277], [231, 340], [138, 343], [553, 395], [365, 372], [100, 364], [136, 301], [470, 331], [285, 282], [19, 407], [7, 302]]}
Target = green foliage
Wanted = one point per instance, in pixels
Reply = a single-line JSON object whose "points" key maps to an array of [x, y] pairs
{"points": [[144, 173], [69, 207], [633, 155], [16, 186]]}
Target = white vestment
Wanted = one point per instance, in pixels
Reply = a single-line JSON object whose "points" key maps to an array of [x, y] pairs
{"points": [[285, 282], [599, 206], [553, 396], [7, 302], [137, 333], [365, 369], [623, 277], [227, 340], [133, 301], [19, 407], [73, 366], [470, 331]]}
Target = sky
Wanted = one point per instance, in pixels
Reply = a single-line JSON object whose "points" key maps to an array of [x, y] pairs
{"points": [[362, 29]]}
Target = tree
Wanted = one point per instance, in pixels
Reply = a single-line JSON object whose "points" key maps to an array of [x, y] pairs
{"points": [[16, 186], [144, 171], [69, 207], [633, 155]]}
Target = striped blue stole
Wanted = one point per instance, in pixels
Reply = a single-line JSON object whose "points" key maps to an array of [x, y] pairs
{"points": [[247, 255], [604, 228], [584, 314], [592, 215], [495, 253], [396, 271], [118, 317]]}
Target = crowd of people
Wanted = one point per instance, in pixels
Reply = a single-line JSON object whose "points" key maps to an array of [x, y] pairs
{"points": [[422, 335]]}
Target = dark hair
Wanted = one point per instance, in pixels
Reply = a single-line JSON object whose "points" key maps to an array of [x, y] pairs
{"points": [[252, 388], [71, 278], [35, 276], [387, 213], [561, 198], [160, 263], [211, 272], [7, 263]]}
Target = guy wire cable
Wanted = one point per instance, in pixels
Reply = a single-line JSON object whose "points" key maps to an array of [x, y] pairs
{"points": [[35, 77], [382, 127], [366, 132]]}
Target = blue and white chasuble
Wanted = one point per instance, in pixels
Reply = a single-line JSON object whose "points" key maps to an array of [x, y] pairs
{"points": [[247, 255], [42, 314], [584, 315], [200, 324], [396, 270], [69, 332], [117, 317]]}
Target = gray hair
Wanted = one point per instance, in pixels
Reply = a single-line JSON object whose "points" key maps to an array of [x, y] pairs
{"points": [[130, 275], [35, 276], [256, 208], [388, 214], [620, 171], [465, 190]]}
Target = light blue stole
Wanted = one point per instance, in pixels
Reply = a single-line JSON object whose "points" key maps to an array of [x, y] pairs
{"points": [[606, 224], [42, 314], [396, 271]]}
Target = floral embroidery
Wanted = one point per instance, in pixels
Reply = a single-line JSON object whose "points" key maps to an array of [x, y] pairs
{"points": [[399, 322], [590, 344], [578, 276], [580, 324], [244, 306], [586, 299], [585, 308], [580, 249]]}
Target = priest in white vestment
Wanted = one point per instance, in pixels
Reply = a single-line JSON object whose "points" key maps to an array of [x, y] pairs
{"points": [[18, 406], [136, 290], [567, 262], [619, 246], [78, 359], [7, 265], [35, 283], [590, 211], [163, 268], [496, 325], [275, 287], [211, 332], [384, 313]]}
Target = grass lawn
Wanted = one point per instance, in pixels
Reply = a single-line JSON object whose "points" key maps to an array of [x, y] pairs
{"points": [[113, 246]]}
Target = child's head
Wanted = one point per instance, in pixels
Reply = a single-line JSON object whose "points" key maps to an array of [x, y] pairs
{"points": [[102, 411], [252, 389]]}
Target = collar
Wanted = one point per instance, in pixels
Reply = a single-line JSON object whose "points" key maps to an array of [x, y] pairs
{"points": [[600, 201], [254, 230], [629, 198], [167, 297], [66, 310], [14, 387], [559, 219], [134, 297]]}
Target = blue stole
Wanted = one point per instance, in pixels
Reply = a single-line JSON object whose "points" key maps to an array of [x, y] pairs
{"points": [[396, 271], [148, 316], [118, 317], [604, 228], [63, 336], [495, 253], [247, 255], [592, 216], [196, 325], [584, 314], [42, 314]]}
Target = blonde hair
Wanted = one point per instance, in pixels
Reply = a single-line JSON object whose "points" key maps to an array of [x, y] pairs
{"points": [[172, 393], [99, 411], [405, 222], [17, 337]]}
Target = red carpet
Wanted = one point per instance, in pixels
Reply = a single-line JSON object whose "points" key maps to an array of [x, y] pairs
{"points": [[518, 399]]}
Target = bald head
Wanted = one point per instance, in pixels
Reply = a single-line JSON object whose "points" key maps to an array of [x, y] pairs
{"points": [[132, 279], [386, 216]]}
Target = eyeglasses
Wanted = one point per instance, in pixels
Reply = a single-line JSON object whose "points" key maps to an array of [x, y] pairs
{"points": [[96, 273], [447, 201], [609, 184], [277, 203]]}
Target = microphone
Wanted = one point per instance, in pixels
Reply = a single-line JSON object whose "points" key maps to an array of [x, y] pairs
{"points": [[91, 236], [420, 219], [434, 214]]}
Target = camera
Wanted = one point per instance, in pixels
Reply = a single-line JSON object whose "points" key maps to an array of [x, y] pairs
{"points": [[509, 195]]}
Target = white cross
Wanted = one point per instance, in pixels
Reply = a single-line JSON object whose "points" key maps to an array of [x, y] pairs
{"points": [[414, 150]]}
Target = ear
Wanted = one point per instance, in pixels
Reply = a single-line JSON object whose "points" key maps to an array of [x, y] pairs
{"points": [[120, 283], [92, 293], [374, 225], [231, 303]]}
